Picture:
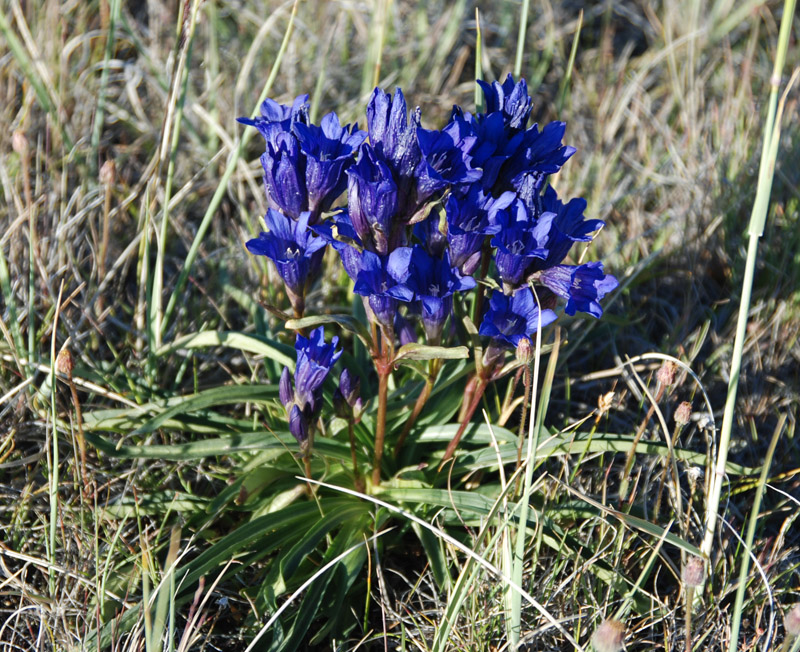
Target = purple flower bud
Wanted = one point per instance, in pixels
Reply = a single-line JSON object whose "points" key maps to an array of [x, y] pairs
{"points": [[404, 330], [394, 138], [284, 171], [509, 99], [349, 386], [298, 425], [285, 391]]}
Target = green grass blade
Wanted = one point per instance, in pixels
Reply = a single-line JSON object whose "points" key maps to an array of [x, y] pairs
{"points": [[757, 220], [744, 567], [523, 31], [281, 354], [99, 116], [222, 187]]}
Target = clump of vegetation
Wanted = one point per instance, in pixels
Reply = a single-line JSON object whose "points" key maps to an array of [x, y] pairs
{"points": [[390, 428]]}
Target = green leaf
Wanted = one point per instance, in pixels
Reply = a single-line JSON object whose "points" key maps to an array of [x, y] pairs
{"points": [[414, 351], [263, 440], [345, 321], [232, 339], [207, 398]]}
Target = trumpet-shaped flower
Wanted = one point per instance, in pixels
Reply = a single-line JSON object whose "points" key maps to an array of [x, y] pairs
{"points": [[568, 227], [520, 241], [295, 250], [380, 279], [512, 318], [582, 286], [433, 282], [315, 358], [372, 200], [446, 158], [329, 151], [272, 112], [470, 218]]}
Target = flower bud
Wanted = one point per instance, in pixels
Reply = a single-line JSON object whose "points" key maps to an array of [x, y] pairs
{"points": [[285, 392], [791, 621], [108, 172], [694, 571], [525, 351], [666, 373], [609, 637], [683, 414], [349, 386], [64, 363], [19, 143], [298, 425]]}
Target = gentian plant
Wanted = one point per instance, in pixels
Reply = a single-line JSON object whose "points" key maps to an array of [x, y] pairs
{"points": [[456, 246], [432, 219]]}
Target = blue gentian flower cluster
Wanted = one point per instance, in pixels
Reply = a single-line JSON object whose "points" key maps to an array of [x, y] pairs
{"points": [[427, 211], [303, 401]]}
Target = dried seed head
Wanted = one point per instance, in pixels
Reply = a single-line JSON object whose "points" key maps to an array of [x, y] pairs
{"points": [[64, 363], [683, 414], [605, 402], [694, 571], [19, 143], [108, 172], [666, 373], [695, 474], [609, 637], [525, 351], [791, 621]]}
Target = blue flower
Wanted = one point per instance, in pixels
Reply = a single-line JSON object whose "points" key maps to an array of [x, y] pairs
{"points": [[509, 99], [315, 359], [429, 233], [284, 171], [446, 158], [340, 234], [392, 137], [520, 241], [329, 151], [470, 218], [372, 200], [582, 286], [433, 282], [380, 279], [539, 154], [272, 112], [295, 250], [496, 143], [404, 330], [568, 227], [510, 319]]}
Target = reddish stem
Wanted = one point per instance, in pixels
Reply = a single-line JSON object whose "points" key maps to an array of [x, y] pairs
{"points": [[480, 388]]}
